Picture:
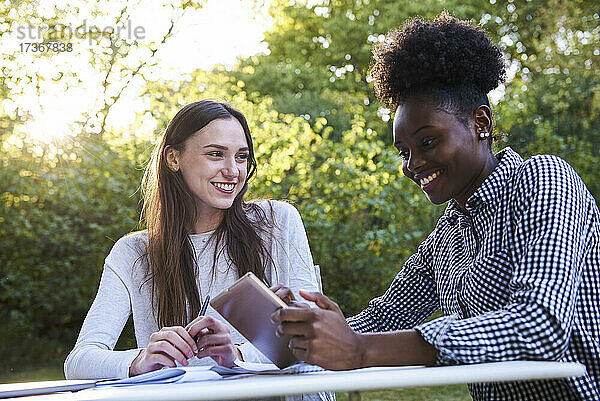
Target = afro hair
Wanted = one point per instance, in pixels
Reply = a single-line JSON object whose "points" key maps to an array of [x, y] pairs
{"points": [[446, 58]]}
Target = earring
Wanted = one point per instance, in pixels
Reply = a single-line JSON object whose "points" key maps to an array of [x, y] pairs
{"points": [[174, 169], [483, 134]]}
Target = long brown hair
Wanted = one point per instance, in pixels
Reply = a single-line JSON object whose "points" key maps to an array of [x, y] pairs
{"points": [[169, 214]]}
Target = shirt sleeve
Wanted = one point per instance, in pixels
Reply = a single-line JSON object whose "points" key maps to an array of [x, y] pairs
{"points": [[549, 238], [294, 266], [93, 356], [410, 299], [303, 274]]}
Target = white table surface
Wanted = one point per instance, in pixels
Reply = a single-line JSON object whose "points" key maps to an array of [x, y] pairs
{"points": [[258, 386]]}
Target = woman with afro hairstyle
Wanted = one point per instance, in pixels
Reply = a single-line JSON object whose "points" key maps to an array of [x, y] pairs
{"points": [[513, 263]]}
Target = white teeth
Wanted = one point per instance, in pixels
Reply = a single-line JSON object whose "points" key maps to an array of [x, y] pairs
{"points": [[225, 187], [427, 180]]}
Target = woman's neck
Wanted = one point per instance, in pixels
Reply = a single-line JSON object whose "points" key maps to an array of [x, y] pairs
{"points": [[207, 222], [489, 165]]}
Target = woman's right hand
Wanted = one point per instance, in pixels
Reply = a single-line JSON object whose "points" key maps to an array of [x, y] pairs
{"points": [[166, 346]]}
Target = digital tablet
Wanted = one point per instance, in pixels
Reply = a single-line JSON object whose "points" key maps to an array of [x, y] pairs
{"points": [[248, 305]]}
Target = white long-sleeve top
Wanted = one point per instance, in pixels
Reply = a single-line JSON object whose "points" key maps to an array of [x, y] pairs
{"points": [[124, 290]]}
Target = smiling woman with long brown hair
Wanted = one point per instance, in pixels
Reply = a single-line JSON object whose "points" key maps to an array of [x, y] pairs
{"points": [[200, 237]]}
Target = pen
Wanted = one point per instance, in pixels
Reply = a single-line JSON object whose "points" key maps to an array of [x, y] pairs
{"points": [[202, 312], [204, 306]]}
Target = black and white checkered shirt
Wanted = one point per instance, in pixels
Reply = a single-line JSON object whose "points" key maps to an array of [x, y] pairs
{"points": [[517, 278]]}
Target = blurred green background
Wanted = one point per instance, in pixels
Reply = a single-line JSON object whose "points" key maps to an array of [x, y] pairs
{"points": [[322, 141]]}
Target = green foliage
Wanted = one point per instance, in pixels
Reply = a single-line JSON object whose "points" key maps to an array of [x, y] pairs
{"points": [[457, 392], [362, 217], [62, 209], [63, 205], [320, 55]]}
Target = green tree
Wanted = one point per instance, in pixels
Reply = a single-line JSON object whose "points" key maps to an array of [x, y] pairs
{"points": [[61, 212], [320, 55]]}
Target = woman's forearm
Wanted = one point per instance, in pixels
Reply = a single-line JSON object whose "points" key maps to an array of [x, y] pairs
{"points": [[406, 347]]}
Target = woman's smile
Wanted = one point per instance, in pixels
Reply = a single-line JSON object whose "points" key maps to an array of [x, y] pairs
{"points": [[428, 179], [225, 187]]}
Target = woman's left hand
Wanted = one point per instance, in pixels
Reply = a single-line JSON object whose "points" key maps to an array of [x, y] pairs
{"points": [[284, 293], [287, 296], [214, 340]]}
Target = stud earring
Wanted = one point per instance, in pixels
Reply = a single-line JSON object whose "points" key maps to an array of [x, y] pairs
{"points": [[483, 134]]}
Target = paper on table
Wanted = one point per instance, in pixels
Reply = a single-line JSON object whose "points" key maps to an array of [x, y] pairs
{"points": [[269, 368], [167, 375], [203, 373], [196, 374]]}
